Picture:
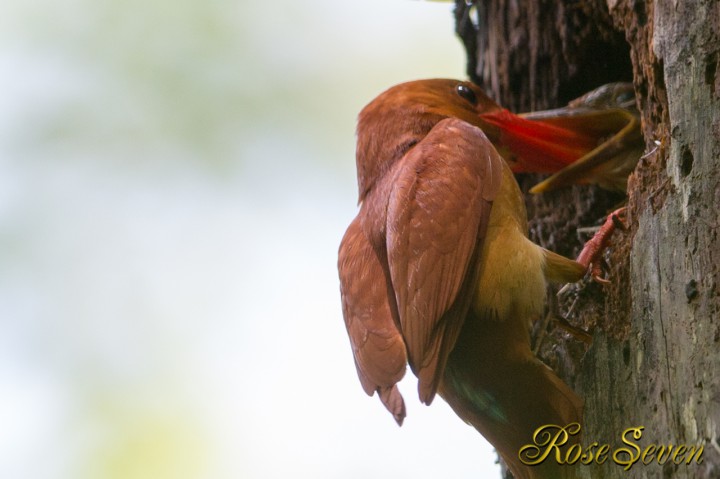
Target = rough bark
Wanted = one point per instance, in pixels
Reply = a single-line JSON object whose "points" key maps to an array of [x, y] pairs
{"points": [[655, 355], [532, 55]]}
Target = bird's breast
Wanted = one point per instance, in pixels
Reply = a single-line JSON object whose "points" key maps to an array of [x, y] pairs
{"points": [[511, 280]]}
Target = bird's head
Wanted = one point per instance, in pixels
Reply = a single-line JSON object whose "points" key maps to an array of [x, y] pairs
{"points": [[400, 117]]}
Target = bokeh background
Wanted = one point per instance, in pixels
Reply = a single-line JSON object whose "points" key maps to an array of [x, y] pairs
{"points": [[175, 178]]}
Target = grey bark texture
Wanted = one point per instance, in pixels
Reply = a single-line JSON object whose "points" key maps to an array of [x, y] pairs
{"points": [[654, 360]]}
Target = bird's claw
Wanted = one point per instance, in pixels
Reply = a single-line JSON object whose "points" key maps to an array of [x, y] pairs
{"points": [[593, 250], [599, 279]]}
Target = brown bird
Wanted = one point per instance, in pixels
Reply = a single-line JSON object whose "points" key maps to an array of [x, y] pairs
{"points": [[436, 271]]}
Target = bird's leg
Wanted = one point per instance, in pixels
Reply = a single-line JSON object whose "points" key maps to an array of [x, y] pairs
{"points": [[592, 251]]}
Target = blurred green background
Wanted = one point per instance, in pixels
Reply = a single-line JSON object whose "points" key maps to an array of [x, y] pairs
{"points": [[175, 178]]}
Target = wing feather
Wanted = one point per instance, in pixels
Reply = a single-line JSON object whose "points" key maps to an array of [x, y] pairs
{"points": [[437, 215], [378, 348]]}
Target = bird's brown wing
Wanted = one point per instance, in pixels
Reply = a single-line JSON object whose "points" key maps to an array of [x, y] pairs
{"points": [[437, 216], [377, 345]]}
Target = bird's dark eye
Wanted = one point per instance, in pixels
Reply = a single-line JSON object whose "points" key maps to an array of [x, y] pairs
{"points": [[625, 96], [466, 93], [625, 99]]}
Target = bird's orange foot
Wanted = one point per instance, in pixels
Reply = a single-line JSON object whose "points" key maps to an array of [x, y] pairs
{"points": [[592, 252]]}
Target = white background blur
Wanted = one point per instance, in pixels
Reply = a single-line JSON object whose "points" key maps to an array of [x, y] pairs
{"points": [[175, 178]]}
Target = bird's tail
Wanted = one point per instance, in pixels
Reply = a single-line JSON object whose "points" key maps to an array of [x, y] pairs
{"points": [[493, 382]]}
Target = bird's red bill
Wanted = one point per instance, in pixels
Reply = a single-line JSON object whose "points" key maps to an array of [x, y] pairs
{"points": [[536, 146]]}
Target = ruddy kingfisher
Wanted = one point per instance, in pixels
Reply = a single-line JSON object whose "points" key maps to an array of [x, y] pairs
{"points": [[437, 271]]}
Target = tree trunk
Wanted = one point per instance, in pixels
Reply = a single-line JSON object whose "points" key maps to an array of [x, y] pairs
{"points": [[655, 356]]}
